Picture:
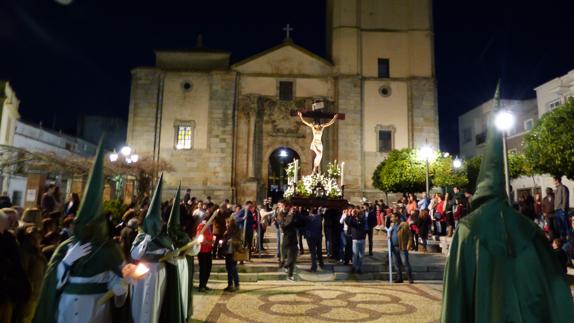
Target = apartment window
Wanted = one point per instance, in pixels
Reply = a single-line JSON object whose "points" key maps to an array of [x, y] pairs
{"points": [[285, 90], [383, 68], [184, 135], [385, 136], [480, 138], [466, 135], [528, 124], [554, 104]]}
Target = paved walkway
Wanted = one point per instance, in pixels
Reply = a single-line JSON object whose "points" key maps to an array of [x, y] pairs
{"points": [[321, 302]]}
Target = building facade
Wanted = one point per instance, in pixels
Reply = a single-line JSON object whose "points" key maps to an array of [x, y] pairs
{"points": [[472, 125], [223, 125]]}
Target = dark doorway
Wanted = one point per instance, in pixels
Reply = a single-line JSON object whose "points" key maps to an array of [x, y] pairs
{"points": [[277, 181]]}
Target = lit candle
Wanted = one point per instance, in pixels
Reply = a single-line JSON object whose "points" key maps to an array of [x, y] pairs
{"points": [[342, 174], [200, 238], [141, 270], [296, 170]]}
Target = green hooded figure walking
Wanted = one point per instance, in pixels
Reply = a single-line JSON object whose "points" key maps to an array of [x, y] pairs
{"points": [[184, 261], [156, 298], [84, 267], [501, 267]]}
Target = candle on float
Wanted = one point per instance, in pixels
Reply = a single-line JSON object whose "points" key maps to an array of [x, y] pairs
{"points": [[296, 169], [342, 174]]}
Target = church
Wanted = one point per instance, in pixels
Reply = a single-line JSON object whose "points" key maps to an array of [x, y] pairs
{"points": [[229, 130]]}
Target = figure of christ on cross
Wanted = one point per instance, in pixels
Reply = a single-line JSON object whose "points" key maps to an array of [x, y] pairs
{"points": [[317, 145]]}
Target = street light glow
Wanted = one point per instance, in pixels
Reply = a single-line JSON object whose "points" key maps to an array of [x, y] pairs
{"points": [[283, 153], [504, 120], [113, 157], [457, 163], [426, 153], [126, 151]]}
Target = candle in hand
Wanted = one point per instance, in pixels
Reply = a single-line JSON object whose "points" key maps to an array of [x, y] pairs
{"points": [[141, 270], [342, 174]]}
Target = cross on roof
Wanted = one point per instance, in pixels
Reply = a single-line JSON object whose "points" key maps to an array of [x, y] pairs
{"points": [[287, 30]]}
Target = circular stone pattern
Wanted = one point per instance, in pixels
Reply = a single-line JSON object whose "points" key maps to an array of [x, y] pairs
{"points": [[347, 303]]}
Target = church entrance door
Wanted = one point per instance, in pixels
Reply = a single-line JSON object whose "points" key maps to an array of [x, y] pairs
{"points": [[277, 181]]}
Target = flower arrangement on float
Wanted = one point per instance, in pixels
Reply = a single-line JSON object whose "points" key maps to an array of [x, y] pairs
{"points": [[318, 185]]}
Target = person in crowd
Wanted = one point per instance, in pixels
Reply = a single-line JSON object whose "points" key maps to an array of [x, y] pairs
{"points": [[276, 222], [187, 196], [526, 206], [438, 215], [152, 295], [314, 237], [67, 230], [538, 209], [231, 242], [219, 227], [288, 223], [34, 265], [301, 230], [329, 221], [127, 237], [561, 206], [468, 201], [448, 213], [379, 214], [423, 203], [5, 200], [358, 227], [245, 220], [458, 209], [50, 237], [424, 225], [400, 244], [13, 218], [548, 214], [204, 257], [72, 204], [31, 216], [413, 221], [14, 287], [560, 255], [199, 212], [412, 203], [346, 245], [371, 219]]}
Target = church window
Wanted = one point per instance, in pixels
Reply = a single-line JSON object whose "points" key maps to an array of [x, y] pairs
{"points": [[184, 135], [285, 90], [466, 135], [383, 65], [385, 138]]}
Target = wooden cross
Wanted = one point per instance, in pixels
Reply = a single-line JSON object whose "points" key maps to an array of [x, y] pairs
{"points": [[287, 30]]}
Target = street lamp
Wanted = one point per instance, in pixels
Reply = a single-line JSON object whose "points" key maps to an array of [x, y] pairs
{"points": [[504, 121], [426, 154], [457, 163]]}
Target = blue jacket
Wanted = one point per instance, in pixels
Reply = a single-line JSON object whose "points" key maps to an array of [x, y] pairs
{"points": [[313, 227], [240, 220]]}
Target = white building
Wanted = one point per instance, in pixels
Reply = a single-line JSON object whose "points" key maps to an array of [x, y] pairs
{"points": [[549, 96], [14, 132]]}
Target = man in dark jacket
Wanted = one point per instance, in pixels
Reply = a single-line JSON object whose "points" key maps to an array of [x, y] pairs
{"points": [[358, 227], [246, 218], [288, 223], [314, 237], [371, 218]]}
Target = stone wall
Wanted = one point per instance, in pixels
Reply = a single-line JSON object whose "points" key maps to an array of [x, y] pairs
{"points": [[424, 112]]}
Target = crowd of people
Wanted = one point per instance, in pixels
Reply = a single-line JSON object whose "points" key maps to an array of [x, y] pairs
{"points": [[29, 238]]}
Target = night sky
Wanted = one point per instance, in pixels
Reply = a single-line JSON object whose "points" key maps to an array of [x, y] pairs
{"points": [[65, 61]]}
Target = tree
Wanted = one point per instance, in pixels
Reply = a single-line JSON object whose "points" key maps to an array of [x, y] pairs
{"points": [[376, 178], [402, 172], [444, 175], [549, 146], [518, 165]]}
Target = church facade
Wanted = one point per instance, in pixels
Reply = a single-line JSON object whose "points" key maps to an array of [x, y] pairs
{"points": [[228, 130]]}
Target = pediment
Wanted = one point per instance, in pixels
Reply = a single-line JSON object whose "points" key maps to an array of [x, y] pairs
{"points": [[285, 59]]}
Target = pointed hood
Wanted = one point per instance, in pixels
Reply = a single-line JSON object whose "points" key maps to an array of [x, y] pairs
{"points": [[152, 220], [176, 234], [490, 183], [90, 223], [174, 216]]}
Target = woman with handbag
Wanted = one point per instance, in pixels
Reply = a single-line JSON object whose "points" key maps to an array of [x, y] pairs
{"points": [[231, 243]]}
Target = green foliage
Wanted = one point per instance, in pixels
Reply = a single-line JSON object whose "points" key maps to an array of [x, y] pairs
{"points": [[402, 172], [549, 146], [376, 178], [444, 175], [517, 164], [116, 208], [472, 166]]}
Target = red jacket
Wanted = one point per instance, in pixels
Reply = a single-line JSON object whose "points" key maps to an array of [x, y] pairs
{"points": [[207, 243]]}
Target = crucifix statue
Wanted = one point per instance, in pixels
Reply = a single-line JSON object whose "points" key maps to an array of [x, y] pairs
{"points": [[317, 129], [287, 30]]}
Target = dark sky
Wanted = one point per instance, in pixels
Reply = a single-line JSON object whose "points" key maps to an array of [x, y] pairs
{"points": [[65, 61]]}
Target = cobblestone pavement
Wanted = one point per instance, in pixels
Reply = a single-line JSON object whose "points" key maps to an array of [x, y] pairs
{"points": [[320, 302]]}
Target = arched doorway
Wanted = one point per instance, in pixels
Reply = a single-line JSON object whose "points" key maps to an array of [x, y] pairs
{"points": [[277, 180]]}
